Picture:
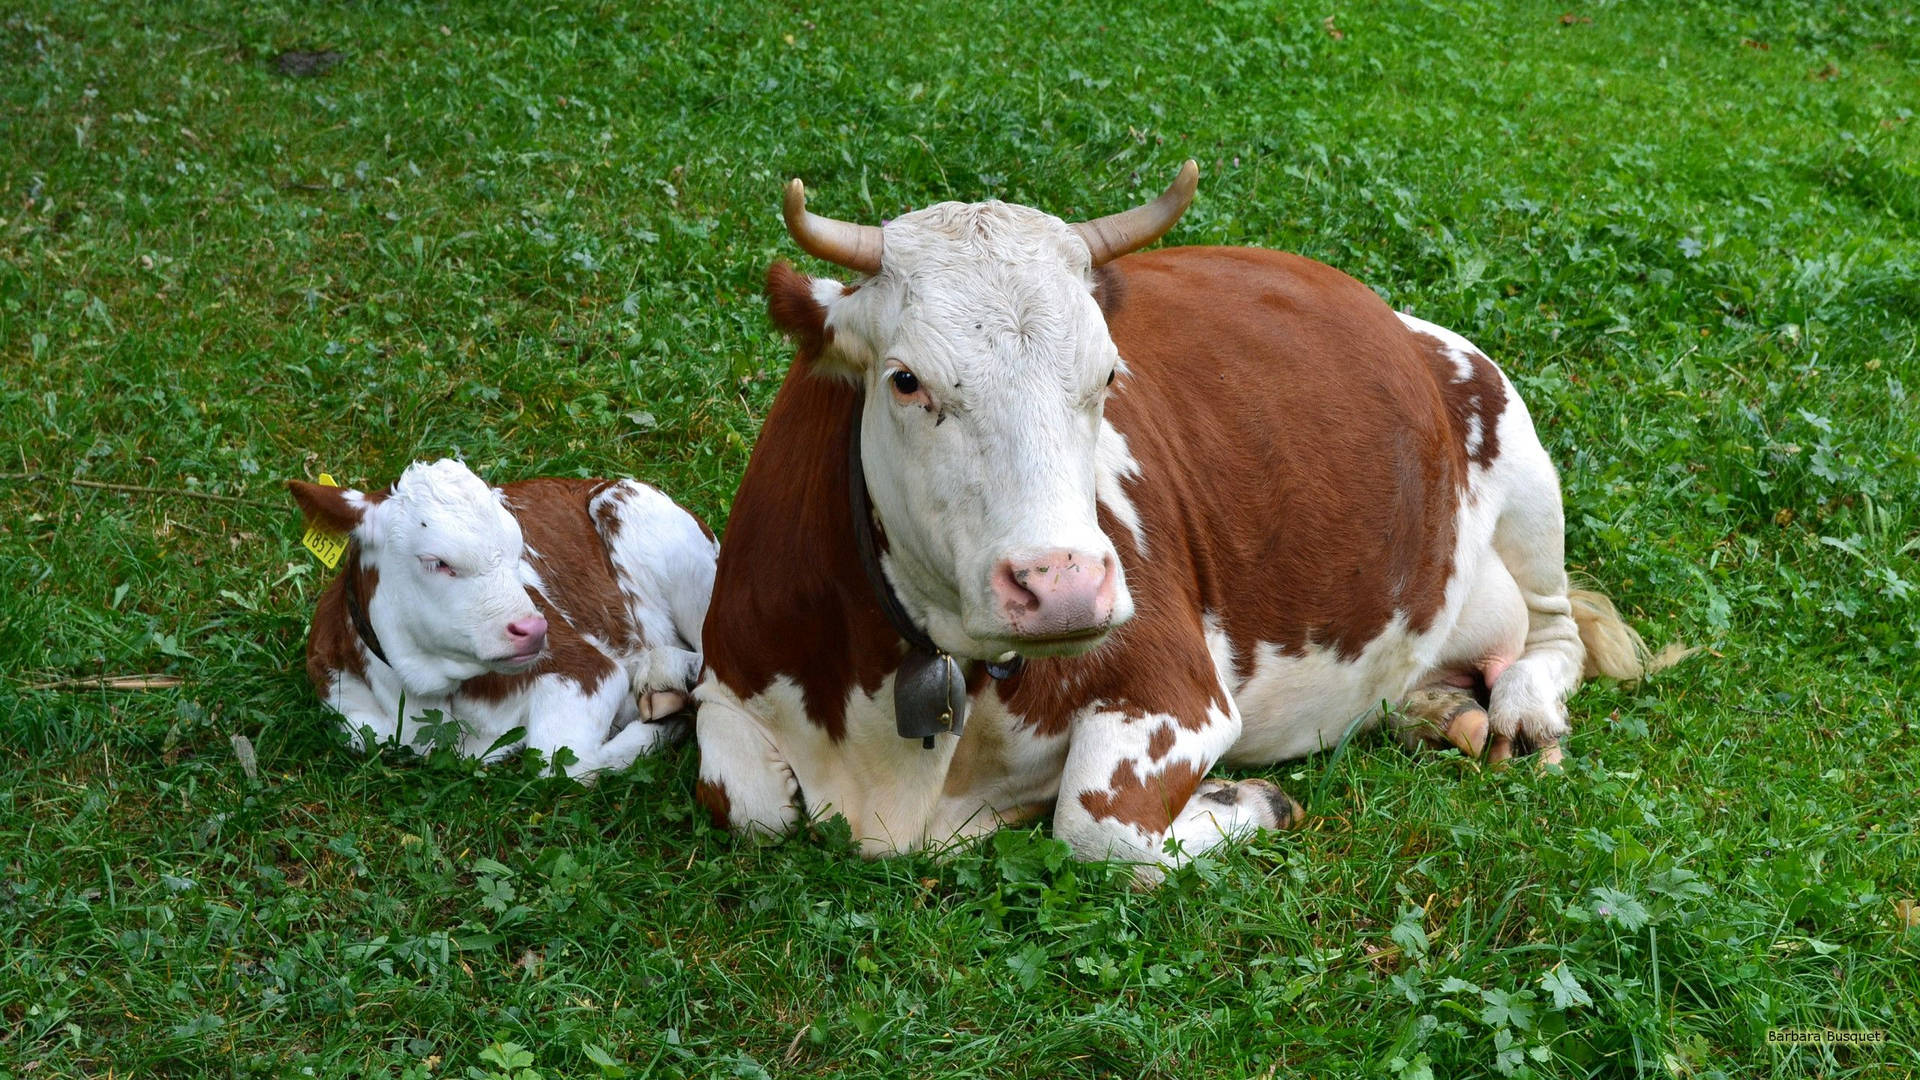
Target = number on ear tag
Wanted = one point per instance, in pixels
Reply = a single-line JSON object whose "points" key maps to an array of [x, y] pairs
{"points": [[326, 546]]}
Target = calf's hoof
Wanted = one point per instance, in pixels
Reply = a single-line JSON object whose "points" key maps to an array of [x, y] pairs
{"points": [[656, 705]]}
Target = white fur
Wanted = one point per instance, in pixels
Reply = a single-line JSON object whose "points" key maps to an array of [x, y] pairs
{"points": [[991, 307]]}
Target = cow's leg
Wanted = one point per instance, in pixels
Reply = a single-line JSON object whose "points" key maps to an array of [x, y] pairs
{"points": [[367, 720], [744, 782], [1528, 708], [1135, 776], [562, 714]]}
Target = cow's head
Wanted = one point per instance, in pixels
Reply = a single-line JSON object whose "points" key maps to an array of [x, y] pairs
{"points": [[985, 359], [440, 557]]}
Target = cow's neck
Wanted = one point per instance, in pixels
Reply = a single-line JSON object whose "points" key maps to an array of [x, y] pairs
{"points": [[356, 603], [790, 598]]}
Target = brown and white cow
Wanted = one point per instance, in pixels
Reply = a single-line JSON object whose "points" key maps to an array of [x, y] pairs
{"points": [[568, 608], [1224, 503]]}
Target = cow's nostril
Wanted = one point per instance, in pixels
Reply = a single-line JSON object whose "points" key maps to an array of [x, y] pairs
{"points": [[527, 629], [1010, 587]]}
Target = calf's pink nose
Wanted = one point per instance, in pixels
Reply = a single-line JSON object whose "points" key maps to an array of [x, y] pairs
{"points": [[527, 634], [1055, 593]]}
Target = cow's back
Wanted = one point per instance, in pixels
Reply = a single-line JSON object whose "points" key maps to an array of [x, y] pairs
{"points": [[1294, 449]]}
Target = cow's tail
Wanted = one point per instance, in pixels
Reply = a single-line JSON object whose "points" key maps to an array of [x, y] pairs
{"points": [[1615, 649]]}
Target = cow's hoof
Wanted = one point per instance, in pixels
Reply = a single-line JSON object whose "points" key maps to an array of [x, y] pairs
{"points": [[1443, 716], [1266, 806], [656, 705], [1467, 729], [1500, 750], [1248, 805], [1281, 810]]}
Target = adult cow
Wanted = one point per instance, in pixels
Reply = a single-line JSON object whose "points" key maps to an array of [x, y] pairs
{"points": [[1166, 510]]}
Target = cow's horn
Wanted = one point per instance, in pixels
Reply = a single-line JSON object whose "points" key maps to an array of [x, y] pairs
{"points": [[1112, 236], [856, 247]]}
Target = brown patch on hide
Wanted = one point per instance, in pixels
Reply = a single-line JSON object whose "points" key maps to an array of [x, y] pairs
{"points": [[1149, 804], [1109, 290], [1482, 397], [712, 794], [1299, 474], [789, 595], [1160, 742], [606, 513]]}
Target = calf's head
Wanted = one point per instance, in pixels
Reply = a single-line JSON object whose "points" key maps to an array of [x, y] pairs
{"points": [[439, 558], [985, 360]]}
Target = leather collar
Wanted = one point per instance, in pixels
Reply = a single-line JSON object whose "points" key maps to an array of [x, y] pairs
{"points": [[356, 608], [930, 687]]}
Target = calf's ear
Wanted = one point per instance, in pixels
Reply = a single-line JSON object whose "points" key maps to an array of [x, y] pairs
{"points": [[333, 509]]}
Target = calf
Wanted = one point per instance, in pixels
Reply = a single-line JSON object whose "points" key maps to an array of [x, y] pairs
{"points": [[564, 609]]}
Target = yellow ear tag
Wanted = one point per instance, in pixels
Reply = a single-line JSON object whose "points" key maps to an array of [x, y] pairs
{"points": [[326, 546]]}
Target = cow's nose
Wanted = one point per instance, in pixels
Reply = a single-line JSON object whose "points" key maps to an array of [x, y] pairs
{"points": [[527, 634], [1055, 594]]}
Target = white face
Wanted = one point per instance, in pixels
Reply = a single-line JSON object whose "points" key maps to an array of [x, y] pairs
{"points": [[450, 603], [986, 363]]}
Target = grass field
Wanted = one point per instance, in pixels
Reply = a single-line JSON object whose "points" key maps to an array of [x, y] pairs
{"points": [[533, 236]]}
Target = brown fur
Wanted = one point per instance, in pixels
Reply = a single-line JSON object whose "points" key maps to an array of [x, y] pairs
{"points": [[1147, 803], [1160, 742], [789, 596], [1482, 395], [332, 644]]}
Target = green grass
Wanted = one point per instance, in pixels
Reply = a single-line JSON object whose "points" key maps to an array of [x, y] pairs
{"points": [[533, 236]]}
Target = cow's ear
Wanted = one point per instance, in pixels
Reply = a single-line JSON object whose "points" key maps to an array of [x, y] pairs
{"points": [[1109, 290], [798, 306], [332, 509]]}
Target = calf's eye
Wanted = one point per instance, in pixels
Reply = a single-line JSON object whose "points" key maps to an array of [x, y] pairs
{"points": [[905, 383], [436, 566]]}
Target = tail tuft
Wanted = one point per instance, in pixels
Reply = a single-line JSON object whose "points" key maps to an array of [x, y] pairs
{"points": [[1615, 649]]}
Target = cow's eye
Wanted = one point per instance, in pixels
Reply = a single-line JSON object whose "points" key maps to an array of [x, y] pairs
{"points": [[436, 566], [1110, 376], [905, 383]]}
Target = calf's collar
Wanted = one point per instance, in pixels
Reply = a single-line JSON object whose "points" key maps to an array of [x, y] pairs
{"points": [[356, 607]]}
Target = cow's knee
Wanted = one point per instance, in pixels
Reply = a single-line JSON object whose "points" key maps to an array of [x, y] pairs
{"points": [[1128, 792], [744, 785]]}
